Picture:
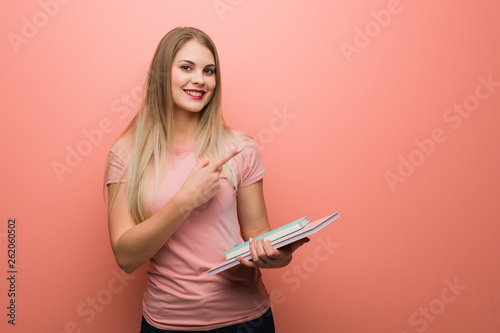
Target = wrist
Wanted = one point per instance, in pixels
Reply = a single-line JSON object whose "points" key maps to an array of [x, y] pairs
{"points": [[184, 202]]}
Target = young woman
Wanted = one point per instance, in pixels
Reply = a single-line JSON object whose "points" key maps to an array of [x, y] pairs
{"points": [[183, 188]]}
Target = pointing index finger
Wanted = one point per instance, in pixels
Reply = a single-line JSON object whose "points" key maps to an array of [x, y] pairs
{"points": [[225, 158]]}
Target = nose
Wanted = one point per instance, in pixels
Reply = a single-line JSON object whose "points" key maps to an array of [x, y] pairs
{"points": [[198, 78]]}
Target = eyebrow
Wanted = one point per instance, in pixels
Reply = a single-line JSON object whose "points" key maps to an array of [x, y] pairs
{"points": [[192, 63]]}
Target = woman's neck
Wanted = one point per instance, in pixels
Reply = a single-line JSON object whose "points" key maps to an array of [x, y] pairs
{"points": [[185, 128]]}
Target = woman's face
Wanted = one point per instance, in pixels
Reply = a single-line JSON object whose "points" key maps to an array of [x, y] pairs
{"points": [[193, 77]]}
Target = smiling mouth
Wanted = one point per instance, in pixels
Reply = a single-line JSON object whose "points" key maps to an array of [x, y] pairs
{"points": [[197, 94]]}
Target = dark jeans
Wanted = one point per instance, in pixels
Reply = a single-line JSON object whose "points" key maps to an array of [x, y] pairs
{"points": [[263, 324]]}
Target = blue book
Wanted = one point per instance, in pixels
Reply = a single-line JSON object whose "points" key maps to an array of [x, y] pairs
{"points": [[271, 235]]}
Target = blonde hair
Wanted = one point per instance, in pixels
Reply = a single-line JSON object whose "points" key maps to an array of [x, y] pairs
{"points": [[150, 135]]}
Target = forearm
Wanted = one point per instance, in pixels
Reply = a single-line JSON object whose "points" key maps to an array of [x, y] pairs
{"points": [[259, 227], [138, 244]]}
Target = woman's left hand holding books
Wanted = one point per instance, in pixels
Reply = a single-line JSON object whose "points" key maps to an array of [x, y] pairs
{"points": [[264, 255]]}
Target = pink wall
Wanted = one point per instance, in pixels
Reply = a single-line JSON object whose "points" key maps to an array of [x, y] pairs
{"points": [[386, 111]]}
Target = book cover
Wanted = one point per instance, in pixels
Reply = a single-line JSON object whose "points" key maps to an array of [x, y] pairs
{"points": [[309, 229], [271, 235]]}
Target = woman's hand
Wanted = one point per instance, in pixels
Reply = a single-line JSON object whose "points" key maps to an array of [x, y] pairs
{"points": [[202, 183], [264, 255]]}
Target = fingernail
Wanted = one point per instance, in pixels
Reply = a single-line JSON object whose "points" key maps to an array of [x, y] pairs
{"points": [[239, 150], [251, 240]]}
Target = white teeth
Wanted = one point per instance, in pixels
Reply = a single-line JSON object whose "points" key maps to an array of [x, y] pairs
{"points": [[193, 93]]}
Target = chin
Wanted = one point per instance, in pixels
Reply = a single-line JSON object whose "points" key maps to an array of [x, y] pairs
{"points": [[191, 109]]}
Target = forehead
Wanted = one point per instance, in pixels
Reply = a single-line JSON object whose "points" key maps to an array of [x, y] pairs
{"points": [[195, 52]]}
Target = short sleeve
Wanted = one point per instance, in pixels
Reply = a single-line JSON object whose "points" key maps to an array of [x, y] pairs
{"points": [[117, 172], [250, 162]]}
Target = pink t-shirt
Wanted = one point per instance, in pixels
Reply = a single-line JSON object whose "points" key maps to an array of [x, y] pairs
{"points": [[180, 295]]}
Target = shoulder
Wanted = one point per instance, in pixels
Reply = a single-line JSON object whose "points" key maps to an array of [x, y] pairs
{"points": [[244, 139], [249, 161], [122, 147], [121, 151], [118, 161]]}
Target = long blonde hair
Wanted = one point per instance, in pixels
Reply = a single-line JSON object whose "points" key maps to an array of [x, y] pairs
{"points": [[150, 135]]}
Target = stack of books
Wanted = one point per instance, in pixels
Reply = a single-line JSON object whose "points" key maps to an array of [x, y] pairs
{"points": [[280, 237], [244, 249]]}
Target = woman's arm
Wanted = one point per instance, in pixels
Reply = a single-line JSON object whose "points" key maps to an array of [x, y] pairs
{"points": [[134, 244], [252, 212], [252, 215]]}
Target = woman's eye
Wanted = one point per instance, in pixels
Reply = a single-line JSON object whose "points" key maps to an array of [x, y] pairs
{"points": [[186, 67], [209, 71]]}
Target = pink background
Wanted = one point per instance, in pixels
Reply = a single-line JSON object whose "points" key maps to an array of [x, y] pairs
{"points": [[354, 105]]}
